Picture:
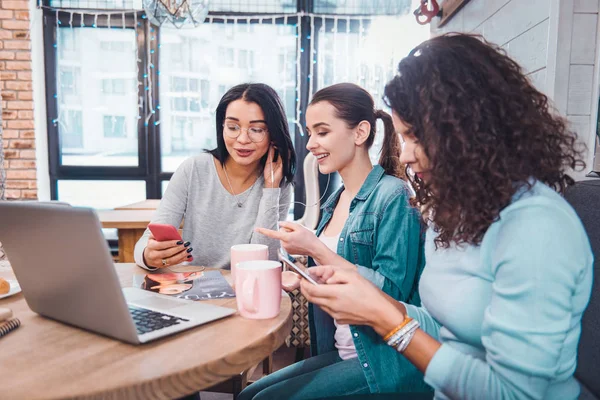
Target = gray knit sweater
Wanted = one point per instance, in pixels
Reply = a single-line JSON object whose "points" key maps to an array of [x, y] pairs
{"points": [[213, 220]]}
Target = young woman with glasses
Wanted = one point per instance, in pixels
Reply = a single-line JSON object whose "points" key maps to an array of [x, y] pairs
{"points": [[224, 193]]}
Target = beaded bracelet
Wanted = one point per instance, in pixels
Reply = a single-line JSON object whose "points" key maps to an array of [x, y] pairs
{"points": [[396, 329]]}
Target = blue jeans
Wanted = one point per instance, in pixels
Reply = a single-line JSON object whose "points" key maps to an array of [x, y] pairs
{"points": [[325, 375]]}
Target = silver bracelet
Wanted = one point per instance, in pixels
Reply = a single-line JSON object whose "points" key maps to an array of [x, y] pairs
{"points": [[406, 340], [397, 337]]}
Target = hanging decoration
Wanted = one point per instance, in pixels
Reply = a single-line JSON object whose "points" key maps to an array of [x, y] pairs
{"points": [[427, 10], [178, 13]]}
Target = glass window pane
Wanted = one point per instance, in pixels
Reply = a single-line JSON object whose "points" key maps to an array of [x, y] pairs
{"points": [[362, 53], [97, 103], [191, 86], [363, 7], [101, 195]]}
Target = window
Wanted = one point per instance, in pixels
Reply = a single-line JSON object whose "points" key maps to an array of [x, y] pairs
{"points": [[87, 98], [179, 84], [243, 59], [69, 79], [226, 57], [205, 92], [68, 46], [71, 131], [114, 126], [251, 59], [139, 121], [345, 54], [114, 86], [198, 105], [113, 47], [222, 90]]}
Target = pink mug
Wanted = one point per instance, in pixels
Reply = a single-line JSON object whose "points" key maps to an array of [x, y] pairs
{"points": [[247, 252], [258, 289]]}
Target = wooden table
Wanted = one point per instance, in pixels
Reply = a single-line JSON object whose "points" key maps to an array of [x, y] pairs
{"points": [[44, 359], [150, 204], [130, 225]]}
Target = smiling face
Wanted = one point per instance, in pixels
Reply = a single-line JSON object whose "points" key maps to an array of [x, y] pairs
{"points": [[412, 154], [330, 140], [245, 120]]}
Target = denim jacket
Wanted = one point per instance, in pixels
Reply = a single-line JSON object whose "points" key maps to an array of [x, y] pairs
{"points": [[382, 236]]}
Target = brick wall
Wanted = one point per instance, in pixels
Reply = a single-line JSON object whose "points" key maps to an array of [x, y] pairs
{"points": [[17, 100]]}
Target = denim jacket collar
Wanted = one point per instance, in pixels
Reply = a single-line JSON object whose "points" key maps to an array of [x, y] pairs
{"points": [[365, 190]]}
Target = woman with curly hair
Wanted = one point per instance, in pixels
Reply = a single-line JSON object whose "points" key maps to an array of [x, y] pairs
{"points": [[508, 269]]}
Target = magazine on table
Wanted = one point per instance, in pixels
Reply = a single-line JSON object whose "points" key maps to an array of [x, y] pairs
{"points": [[204, 285]]}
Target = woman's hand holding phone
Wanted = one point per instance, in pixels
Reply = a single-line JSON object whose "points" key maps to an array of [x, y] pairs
{"points": [[169, 250]]}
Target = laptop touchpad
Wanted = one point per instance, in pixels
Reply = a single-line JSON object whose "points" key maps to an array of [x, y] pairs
{"points": [[156, 302]]}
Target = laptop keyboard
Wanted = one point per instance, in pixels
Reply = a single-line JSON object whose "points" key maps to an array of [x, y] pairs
{"points": [[149, 321]]}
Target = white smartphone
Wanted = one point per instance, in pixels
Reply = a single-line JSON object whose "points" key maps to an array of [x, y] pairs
{"points": [[297, 269]]}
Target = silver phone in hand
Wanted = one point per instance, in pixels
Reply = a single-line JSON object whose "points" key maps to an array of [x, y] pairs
{"points": [[286, 259]]}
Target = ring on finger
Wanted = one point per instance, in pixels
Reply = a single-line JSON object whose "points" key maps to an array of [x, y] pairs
{"points": [[165, 263]]}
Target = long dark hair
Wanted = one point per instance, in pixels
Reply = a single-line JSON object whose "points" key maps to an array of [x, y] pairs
{"points": [[485, 129], [270, 103], [354, 104]]}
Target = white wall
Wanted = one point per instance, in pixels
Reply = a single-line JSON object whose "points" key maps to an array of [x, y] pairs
{"points": [[556, 43]]}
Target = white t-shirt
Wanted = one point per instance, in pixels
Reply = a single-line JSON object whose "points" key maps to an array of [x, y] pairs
{"points": [[343, 336]]}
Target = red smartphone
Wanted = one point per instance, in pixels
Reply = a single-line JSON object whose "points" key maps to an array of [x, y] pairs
{"points": [[162, 232]]}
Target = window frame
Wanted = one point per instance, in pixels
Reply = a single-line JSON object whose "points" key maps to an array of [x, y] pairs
{"points": [[57, 170]]}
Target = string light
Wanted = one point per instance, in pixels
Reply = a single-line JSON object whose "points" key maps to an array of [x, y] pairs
{"points": [[298, 75], [58, 75], [321, 55], [311, 68], [148, 83]]}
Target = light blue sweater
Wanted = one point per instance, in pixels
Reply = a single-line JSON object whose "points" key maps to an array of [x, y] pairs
{"points": [[508, 312]]}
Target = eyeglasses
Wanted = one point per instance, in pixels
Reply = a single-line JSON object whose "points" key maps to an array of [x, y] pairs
{"points": [[255, 134]]}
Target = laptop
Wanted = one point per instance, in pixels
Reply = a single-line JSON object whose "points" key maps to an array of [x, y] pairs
{"points": [[66, 273]]}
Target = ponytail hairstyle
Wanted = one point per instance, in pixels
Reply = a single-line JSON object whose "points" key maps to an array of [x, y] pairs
{"points": [[354, 104]]}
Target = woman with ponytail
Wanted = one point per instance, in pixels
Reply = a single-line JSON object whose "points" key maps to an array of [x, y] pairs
{"points": [[368, 226]]}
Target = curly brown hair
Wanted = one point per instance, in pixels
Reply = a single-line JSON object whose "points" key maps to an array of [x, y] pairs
{"points": [[486, 131]]}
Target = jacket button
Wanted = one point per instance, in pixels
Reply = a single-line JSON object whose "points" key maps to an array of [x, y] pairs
{"points": [[341, 239], [365, 365], [355, 334]]}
